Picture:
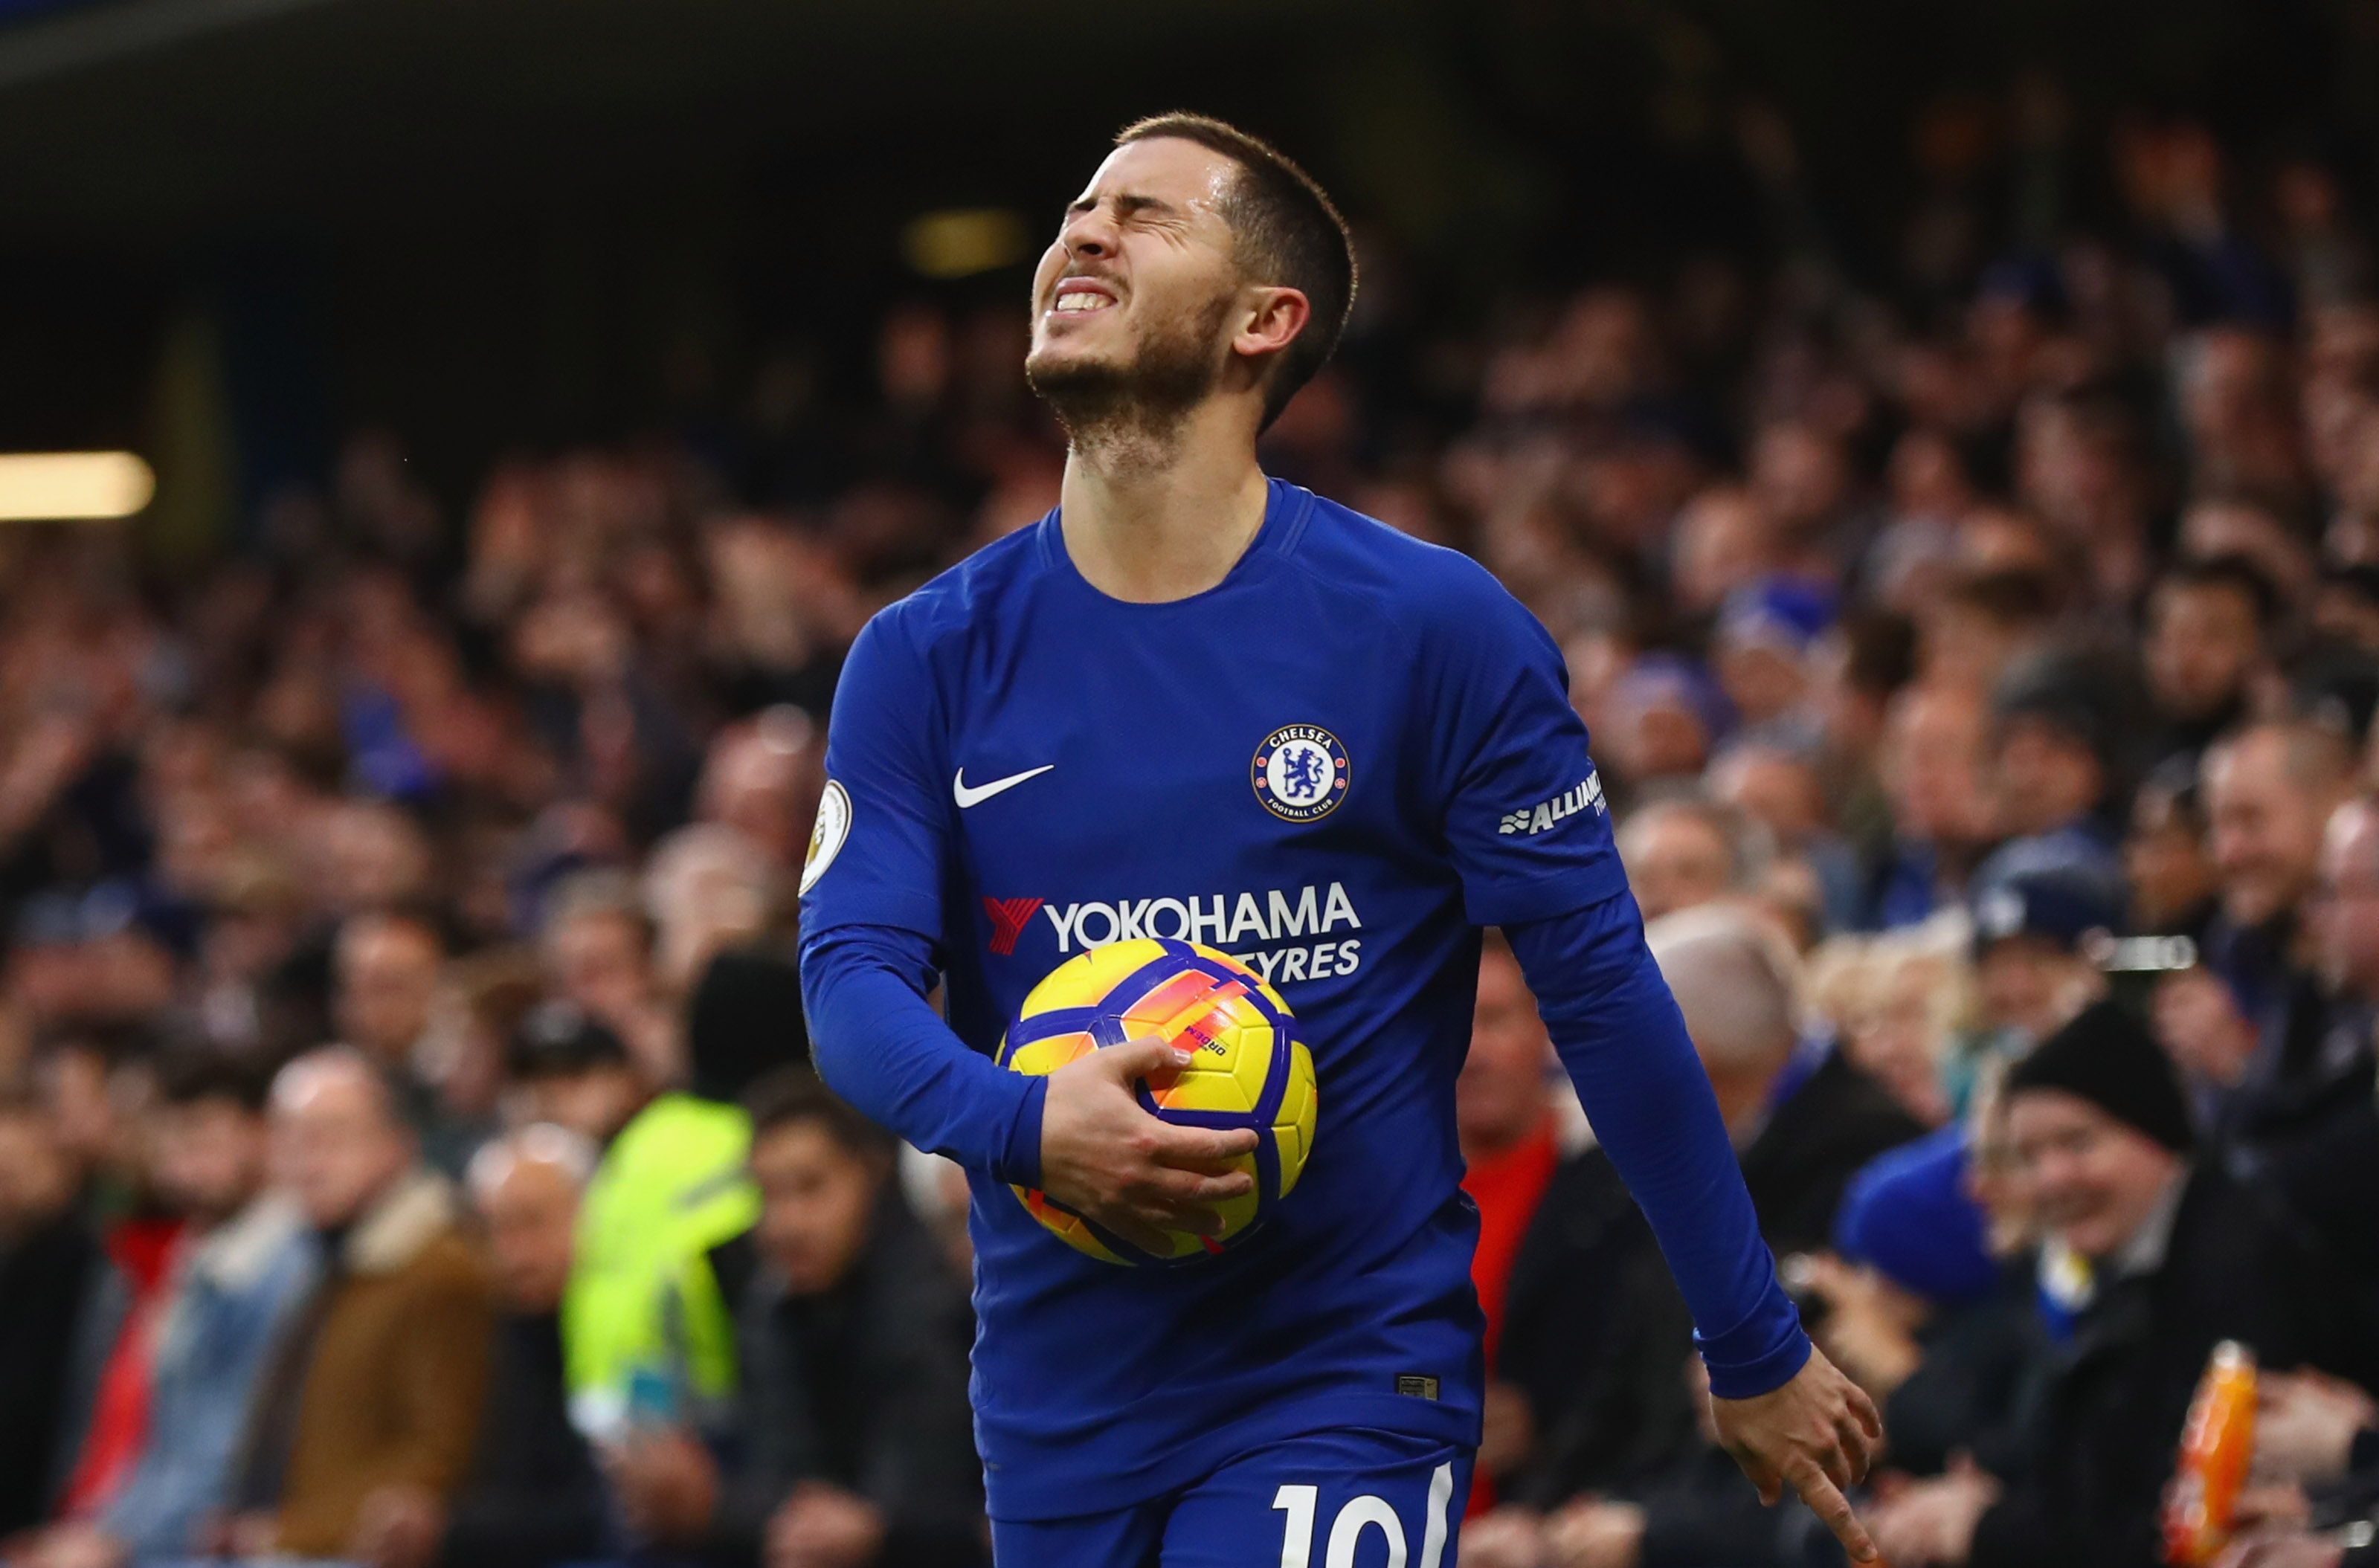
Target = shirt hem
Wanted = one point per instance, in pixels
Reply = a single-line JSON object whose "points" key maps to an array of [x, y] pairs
{"points": [[1050, 1485]]}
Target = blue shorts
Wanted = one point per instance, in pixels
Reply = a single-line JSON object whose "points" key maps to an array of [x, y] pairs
{"points": [[1353, 1499]]}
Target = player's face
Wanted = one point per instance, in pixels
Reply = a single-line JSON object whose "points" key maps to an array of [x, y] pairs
{"points": [[1135, 292]]}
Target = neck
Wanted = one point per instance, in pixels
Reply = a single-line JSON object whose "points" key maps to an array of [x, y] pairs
{"points": [[1742, 1096], [2142, 1251], [1151, 516], [206, 1221], [381, 1191]]}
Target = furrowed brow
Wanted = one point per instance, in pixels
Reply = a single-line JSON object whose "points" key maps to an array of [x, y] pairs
{"points": [[1125, 206]]}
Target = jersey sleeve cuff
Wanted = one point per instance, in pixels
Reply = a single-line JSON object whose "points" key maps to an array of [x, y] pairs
{"points": [[1542, 895], [1017, 1162], [1758, 1355]]}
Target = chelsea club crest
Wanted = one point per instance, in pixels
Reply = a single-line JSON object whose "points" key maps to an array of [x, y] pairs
{"points": [[1300, 772]]}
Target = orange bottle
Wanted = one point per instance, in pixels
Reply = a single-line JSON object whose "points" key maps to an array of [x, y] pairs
{"points": [[2214, 1449]]}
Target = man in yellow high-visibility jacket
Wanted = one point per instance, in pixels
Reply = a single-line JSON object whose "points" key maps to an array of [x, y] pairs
{"points": [[646, 1335]]}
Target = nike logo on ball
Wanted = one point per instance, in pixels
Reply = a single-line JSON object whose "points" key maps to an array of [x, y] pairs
{"points": [[982, 793]]}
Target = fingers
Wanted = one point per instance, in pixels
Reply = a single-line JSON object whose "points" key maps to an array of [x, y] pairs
{"points": [[1148, 1238], [1196, 1222], [1855, 1449], [1208, 1150], [1826, 1501], [1168, 1189], [1870, 1419], [1759, 1473], [1834, 1459], [1151, 1054]]}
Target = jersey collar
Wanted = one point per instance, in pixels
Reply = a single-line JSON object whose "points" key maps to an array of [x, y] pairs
{"points": [[1287, 508]]}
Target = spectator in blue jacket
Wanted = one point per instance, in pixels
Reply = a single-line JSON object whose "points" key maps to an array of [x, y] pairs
{"points": [[245, 1258]]}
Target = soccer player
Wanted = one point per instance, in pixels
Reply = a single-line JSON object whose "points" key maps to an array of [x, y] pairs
{"points": [[1194, 702]]}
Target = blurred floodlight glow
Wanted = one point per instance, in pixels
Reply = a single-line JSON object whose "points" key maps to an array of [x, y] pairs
{"points": [[961, 241], [56, 486]]}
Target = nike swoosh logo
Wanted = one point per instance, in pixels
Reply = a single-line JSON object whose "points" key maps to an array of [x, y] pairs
{"points": [[982, 793]]}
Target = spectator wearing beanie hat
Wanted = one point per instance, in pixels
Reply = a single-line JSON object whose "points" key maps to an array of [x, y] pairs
{"points": [[2185, 1257]]}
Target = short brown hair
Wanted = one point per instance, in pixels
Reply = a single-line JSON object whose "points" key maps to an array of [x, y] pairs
{"points": [[790, 1096], [1288, 232]]}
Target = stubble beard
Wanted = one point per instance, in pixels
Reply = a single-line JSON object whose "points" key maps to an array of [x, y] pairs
{"points": [[1128, 415]]}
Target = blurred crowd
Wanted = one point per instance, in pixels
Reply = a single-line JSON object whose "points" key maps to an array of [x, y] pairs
{"points": [[407, 1151]]}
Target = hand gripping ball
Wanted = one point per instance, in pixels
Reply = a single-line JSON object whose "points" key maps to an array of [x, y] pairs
{"points": [[1249, 1069]]}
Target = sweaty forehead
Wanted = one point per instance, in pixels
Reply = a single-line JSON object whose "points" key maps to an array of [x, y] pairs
{"points": [[1168, 169]]}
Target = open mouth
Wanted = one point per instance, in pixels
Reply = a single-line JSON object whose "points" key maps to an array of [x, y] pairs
{"points": [[1077, 296]]}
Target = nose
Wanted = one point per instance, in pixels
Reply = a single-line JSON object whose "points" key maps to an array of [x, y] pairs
{"points": [[1089, 234], [2053, 1173]]}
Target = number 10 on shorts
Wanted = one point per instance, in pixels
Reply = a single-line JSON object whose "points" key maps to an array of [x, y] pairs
{"points": [[1362, 1514]]}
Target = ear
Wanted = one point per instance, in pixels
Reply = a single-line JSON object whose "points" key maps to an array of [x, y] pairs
{"points": [[1274, 318]]}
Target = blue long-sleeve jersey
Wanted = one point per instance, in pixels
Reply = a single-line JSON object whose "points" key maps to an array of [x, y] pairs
{"points": [[1337, 765]]}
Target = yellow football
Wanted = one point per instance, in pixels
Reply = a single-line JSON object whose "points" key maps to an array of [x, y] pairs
{"points": [[1248, 1068]]}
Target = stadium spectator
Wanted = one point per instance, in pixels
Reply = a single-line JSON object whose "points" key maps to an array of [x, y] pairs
{"points": [[2183, 1256], [2035, 906], [373, 1394], [1802, 1117], [762, 779], [709, 887], [851, 1418], [1983, 623], [596, 941], [1504, 1115], [2269, 794], [48, 1258], [2165, 860], [1942, 813], [1899, 1004], [2206, 627], [1660, 720], [2055, 752], [1683, 853], [244, 1260], [385, 971], [1762, 645], [93, 1080], [2263, 1066], [2330, 1170], [647, 1332], [570, 1072], [1784, 793], [532, 1496]]}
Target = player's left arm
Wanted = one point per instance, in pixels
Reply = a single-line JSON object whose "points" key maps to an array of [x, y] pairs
{"points": [[1530, 835], [1784, 1412]]}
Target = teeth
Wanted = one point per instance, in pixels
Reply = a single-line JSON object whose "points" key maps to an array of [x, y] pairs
{"points": [[1082, 300]]}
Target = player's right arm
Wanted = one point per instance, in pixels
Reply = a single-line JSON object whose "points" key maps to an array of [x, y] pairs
{"points": [[872, 926]]}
